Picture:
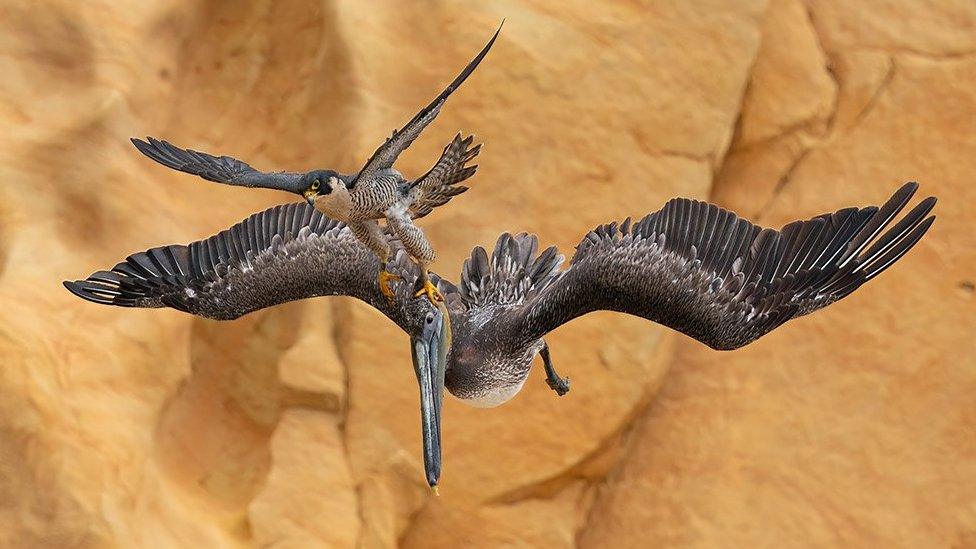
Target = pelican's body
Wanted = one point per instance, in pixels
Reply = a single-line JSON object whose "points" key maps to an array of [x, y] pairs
{"points": [[484, 372], [691, 266]]}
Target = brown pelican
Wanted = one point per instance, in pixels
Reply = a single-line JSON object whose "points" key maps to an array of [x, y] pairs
{"points": [[692, 266]]}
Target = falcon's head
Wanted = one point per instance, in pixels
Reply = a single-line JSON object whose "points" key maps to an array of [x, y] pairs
{"points": [[320, 183]]}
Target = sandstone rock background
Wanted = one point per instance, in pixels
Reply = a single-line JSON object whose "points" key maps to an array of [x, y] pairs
{"points": [[297, 426]]}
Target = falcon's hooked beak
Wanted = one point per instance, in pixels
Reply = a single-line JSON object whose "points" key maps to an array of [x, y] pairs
{"points": [[310, 195], [429, 362]]}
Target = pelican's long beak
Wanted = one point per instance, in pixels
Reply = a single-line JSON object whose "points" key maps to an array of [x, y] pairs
{"points": [[429, 362]]}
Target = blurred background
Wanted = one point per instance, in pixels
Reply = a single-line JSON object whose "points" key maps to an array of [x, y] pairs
{"points": [[298, 426]]}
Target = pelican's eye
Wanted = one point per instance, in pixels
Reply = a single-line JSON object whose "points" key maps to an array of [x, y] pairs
{"points": [[315, 185], [430, 319]]}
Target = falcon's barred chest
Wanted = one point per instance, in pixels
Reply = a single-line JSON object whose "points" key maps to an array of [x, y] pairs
{"points": [[373, 201]]}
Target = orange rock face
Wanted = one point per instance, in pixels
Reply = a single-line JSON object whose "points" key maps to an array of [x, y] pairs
{"points": [[298, 426]]}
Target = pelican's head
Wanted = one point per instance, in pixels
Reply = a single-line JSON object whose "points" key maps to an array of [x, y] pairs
{"points": [[430, 342]]}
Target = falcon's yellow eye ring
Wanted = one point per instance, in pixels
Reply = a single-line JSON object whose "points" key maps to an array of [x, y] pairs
{"points": [[315, 185]]}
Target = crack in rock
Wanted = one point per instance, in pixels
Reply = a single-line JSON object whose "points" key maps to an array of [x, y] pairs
{"points": [[933, 57], [641, 141], [627, 440], [609, 447], [828, 69], [781, 183], [873, 100], [804, 127]]}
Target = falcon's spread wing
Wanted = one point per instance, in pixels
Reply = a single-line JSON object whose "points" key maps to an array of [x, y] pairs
{"points": [[282, 254], [222, 169], [720, 279], [387, 153], [440, 184]]}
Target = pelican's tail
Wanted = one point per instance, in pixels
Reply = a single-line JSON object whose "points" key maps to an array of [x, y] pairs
{"points": [[513, 274]]}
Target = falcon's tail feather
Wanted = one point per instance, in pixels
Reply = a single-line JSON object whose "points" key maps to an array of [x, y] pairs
{"points": [[441, 183]]}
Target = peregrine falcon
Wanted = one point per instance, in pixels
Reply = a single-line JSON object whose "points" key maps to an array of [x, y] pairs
{"points": [[692, 266], [377, 191]]}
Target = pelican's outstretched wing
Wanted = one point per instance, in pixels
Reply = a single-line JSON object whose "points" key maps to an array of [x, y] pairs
{"points": [[720, 279], [390, 150], [282, 254], [222, 169]]}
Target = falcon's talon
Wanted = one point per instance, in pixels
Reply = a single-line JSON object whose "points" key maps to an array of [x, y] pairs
{"points": [[384, 280], [431, 291]]}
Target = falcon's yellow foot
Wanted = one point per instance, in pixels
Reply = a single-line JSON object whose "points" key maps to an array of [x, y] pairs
{"points": [[385, 278], [430, 291]]}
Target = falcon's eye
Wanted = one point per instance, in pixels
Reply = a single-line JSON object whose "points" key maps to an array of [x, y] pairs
{"points": [[315, 185]]}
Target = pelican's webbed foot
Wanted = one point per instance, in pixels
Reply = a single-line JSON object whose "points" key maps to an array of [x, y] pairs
{"points": [[384, 280], [430, 290], [556, 383]]}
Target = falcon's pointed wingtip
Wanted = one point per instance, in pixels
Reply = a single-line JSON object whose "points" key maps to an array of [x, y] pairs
{"points": [[477, 60], [494, 36], [484, 51]]}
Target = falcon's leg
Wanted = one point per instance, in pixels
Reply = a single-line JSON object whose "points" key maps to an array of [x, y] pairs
{"points": [[370, 233], [556, 383], [427, 287], [418, 247]]}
